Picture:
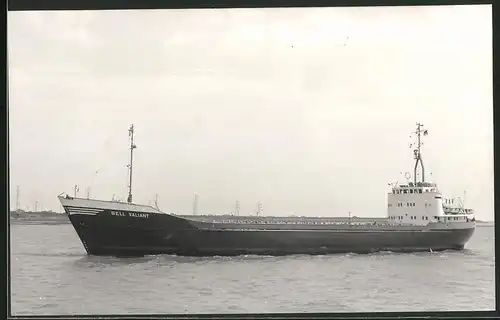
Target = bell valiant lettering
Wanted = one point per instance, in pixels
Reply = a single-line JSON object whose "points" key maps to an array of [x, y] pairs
{"points": [[130, 214], [138, 215]]}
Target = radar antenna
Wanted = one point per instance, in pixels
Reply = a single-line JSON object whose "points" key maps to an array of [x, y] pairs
{"points": [[417, 154], [132, 147]]}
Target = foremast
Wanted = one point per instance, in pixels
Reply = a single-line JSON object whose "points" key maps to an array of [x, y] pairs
{"points": [[417, 153], [132, 147]]}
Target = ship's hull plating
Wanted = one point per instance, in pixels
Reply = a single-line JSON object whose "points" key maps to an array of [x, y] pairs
{"points": [[121, 234]]}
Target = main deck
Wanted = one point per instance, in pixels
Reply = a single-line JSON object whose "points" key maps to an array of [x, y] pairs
{"points": [[312, 224]]}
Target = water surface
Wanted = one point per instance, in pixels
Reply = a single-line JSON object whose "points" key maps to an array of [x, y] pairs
{"points": [[51, 274]]}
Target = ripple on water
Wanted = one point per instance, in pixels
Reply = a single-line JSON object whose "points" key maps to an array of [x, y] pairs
{"points": [[70, 282]]}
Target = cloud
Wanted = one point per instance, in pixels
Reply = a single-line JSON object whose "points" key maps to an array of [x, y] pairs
{"points": [[250, 103]]}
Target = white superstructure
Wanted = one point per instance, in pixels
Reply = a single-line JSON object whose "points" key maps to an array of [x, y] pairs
{"points": [[420, 203]]}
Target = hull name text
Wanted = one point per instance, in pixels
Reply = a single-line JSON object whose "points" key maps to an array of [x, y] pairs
{"points": [[130, 214]]}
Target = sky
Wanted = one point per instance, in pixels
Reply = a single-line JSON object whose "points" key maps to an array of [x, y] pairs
{"points": [[306, 110]]}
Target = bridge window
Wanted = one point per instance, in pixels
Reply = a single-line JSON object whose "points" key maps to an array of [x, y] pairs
{"points": [[419, 190], [411, 190]]}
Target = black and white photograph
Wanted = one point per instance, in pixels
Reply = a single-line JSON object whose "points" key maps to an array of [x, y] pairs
{"points": [[251, 160]]}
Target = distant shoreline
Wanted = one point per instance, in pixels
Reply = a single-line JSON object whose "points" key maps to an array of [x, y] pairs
{"points": [[38, 222], [43, 217]]}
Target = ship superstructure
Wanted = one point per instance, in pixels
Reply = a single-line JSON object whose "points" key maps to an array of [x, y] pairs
{"points": [[421, 202]]}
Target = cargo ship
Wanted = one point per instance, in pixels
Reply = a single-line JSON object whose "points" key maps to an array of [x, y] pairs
{"points": [[415, 221]]}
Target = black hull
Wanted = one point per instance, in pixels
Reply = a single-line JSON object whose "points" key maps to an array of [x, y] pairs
{"points": [[111, 235]]}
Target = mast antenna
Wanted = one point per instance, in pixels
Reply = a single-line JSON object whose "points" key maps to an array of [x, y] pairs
{"points": [[17, 199], [156, 202], [132, 147], [195, 205], [417, 152], [463, 201], [237, 208]]}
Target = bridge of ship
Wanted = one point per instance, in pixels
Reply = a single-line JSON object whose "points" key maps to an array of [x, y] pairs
{"points": [[450, 212], [419, 187]]}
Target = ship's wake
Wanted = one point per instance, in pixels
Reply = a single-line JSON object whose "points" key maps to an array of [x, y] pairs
{"points": [[90, 260]]}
